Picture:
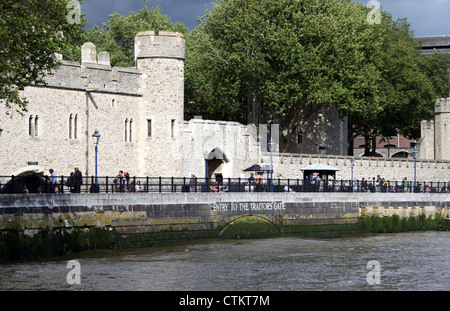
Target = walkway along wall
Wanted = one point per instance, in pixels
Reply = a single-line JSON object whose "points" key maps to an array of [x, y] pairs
{"points": [[39, 226]]}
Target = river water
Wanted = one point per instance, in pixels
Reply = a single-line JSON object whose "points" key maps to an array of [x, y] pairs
{"points": [[406, 261]]}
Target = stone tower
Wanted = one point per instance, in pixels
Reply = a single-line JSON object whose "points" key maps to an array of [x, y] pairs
{"points": [[442, 129], [435, 140], [160, 57]]}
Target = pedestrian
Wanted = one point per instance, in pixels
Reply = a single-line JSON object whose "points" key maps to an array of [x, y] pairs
{"points": [[320, 184], [119, 181], [379, 183], [77, 180], [213, 187], [259, 182], [53, 187], [192, 183], [315, 181], [126, 182], [70, 182], [138, 187], [364, 185], [251, 182], [405, 184], [384, 186]]}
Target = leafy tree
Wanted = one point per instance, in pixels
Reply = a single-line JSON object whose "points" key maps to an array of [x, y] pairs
{"points": [[277, 60], [117, 35], [408, 86], [30, 31]]}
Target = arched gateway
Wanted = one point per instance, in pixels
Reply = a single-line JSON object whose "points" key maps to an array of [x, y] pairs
{"points": [[218, 164]]}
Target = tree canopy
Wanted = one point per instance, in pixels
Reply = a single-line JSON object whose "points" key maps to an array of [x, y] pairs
{"points": [[117, 35], [30, 31], [286, 56]]}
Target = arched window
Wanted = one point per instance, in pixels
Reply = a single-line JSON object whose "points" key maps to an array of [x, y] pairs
{"points": [[73, 126], [33, 126], [401, 154], [30, 126], [390, 146], [128, 130]]}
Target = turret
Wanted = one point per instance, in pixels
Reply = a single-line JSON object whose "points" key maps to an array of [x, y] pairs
{"points": [[161, 60]]}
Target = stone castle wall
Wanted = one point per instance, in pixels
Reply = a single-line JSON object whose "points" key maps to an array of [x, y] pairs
{"points": [[230, 148], [290, 165], [442, 129], [435, 134]]}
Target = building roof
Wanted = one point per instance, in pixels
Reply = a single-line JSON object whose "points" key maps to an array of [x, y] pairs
{"points": [[431, 44], [320, 167]]}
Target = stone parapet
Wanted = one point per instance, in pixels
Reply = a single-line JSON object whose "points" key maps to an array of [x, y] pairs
{"points": [[168, 44], [290, 166], [443, 105], [100, 77]]}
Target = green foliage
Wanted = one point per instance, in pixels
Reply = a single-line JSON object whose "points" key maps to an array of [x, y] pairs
{"points": [[288, 56], [117, 35], [30, 31]]}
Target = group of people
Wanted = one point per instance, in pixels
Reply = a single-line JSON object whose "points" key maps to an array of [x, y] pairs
{"points": [[123, 184], [74, 182], [258, 182], [380, 184], [363, 185]]}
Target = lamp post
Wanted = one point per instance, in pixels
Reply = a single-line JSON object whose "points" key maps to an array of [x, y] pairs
{"points": [[414, 155], [96, 139], [88, 95], [352, 161], [271, 144], [205, 155]]}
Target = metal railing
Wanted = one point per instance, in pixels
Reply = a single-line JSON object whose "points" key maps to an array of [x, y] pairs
{"points": [[63, 184]]}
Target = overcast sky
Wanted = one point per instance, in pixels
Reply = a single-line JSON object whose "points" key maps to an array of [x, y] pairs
{"points": [[427, 17]]}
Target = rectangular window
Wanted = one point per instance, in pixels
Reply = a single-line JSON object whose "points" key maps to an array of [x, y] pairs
{"points": [[172, 128], [126, 129], [130, 136], [149, 128], [70, 126], [36, 126]]}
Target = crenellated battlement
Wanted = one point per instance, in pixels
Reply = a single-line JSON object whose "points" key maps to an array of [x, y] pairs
{"points": [[443, 105], [94, 72], [166, 44]]}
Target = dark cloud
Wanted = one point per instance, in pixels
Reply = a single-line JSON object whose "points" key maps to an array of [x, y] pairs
{"points": [[427, 17], [184, 11]]}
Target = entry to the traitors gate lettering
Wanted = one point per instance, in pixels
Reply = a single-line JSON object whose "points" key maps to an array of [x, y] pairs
{"points": [[247, 206]]}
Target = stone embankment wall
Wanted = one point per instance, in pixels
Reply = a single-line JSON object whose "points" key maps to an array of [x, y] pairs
{"points": [[38, 226]]}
